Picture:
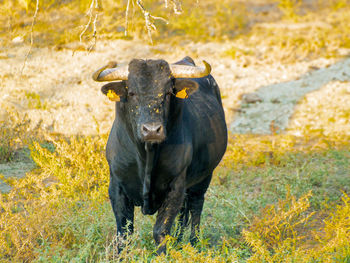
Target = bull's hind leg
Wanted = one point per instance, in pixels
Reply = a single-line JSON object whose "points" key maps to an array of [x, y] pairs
{"points": [[195, 197], [123, 210], [168, 211]]}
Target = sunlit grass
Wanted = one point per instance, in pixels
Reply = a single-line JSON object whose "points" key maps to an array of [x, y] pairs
{"points": [[289, 231], [325, 33], [60, 211]]}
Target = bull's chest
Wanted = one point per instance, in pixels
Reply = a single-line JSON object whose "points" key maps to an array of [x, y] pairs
{"points": [[131, 175]]}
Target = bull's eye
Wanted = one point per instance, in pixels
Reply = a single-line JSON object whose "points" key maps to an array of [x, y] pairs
{"points": [[131, 94]]}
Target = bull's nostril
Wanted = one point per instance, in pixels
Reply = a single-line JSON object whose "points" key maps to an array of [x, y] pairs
{"points": [[152, 131]]}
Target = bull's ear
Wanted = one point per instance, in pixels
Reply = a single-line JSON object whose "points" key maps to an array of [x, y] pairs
{"points": [[185, 87], [115, 91]]}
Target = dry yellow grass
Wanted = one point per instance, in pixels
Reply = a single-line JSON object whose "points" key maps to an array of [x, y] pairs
{"points": [[281, 232]]}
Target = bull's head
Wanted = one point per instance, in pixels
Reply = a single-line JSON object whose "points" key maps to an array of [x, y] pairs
{"points": [[145, 91]]}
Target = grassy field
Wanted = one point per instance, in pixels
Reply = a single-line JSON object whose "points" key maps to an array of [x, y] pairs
{"points": [[273, 198]]}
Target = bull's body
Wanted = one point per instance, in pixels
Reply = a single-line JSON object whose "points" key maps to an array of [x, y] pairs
{"points": [[173, 175]]}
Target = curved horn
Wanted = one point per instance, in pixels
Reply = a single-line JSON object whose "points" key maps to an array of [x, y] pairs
{"points": [[111, 72], [184, 71]]}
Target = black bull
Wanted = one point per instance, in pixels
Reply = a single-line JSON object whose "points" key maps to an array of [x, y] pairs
{"points": [[168, 136]]}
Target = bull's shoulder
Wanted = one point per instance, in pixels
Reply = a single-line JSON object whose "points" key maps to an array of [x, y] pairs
{"points": [[119, 144]]}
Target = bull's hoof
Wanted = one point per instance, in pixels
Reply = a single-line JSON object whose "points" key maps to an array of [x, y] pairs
{"points": [[161, 250], [147, 210]]}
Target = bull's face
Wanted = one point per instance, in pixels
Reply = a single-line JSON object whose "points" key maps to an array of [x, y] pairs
{"points": [[145, 96]]}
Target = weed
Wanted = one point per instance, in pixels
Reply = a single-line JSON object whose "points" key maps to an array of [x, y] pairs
{"points": [[49, 204], [276, 229], [236, 52], [35, 101], [338, 4], [15, 133], [281, 231], [288, 8], [335, 239]]}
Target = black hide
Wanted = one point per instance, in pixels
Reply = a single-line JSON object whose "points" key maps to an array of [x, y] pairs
{"points": [[169, 172]]}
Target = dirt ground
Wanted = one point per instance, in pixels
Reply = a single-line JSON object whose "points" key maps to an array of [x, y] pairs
{"points": [[256, 96]]}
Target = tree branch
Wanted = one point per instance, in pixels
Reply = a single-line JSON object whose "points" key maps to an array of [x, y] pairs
{"points": [[31, 35], [149, 25], [127, 17]]}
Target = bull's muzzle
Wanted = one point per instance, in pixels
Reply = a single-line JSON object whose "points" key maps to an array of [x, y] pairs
{"points": [[152, 132]]}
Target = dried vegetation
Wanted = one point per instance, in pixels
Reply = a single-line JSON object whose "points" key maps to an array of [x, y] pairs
{"points": [[266, 30]]}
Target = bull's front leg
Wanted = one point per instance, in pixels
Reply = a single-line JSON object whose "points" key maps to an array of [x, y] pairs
{"points": [[123, 210], [168, 211]]}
